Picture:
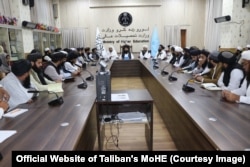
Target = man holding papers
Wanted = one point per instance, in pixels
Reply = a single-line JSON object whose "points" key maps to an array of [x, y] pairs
{"points": [[36, 74]]}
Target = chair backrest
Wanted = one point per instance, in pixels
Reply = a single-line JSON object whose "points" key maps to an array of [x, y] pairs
{"points": [[130, 48]]}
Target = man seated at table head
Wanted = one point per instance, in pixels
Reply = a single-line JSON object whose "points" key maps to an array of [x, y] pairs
{"points": [[17, 83], [4, 98], [52, 70], [36, 73], [215, 69], [145, 53], [126, 53], [233, 74], [242, 94]]}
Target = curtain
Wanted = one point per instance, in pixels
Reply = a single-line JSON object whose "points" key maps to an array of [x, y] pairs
{"points": [[172, 35], [42, 12], [5, 8], [73, 37], [212, 29]]}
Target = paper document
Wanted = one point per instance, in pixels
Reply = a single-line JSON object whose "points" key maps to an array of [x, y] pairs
{"points": [[55, 87], [4, 134], [119, 97], [210, 86], [15, 112]]}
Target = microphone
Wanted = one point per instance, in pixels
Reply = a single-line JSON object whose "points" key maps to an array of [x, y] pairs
{"points": [[91, 77], [163, 72], [83, 85], [155, 66], [171, 78], [55, 102], [187, 88]]}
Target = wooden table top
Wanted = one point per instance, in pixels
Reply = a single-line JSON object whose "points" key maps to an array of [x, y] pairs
{"points": [[226, 125]]}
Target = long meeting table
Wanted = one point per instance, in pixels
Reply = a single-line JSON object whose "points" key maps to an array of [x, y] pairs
{"points": [[196, 121]]}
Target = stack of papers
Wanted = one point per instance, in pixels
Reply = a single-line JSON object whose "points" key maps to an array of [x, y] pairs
{"points": [[55, 87], [119, 97], [210, 86], [15, 112], [4, 134]]}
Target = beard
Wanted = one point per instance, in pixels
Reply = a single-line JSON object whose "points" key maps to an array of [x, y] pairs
{"points": [[36, 69], [26, 82]]}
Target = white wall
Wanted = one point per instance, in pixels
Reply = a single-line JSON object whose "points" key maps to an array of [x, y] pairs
{"points": [[189, 14], [233, 33]]}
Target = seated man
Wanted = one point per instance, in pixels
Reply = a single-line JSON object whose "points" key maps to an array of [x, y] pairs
{"points": [[145, 53], [232, 75], [161, 53], [126, 54], [201, 67], [242, 94], [111, 53], [17, 83], [70, 64], [36, 73], [52, 70], [215, 69], [4, 98], [94, 56], [47, 55], [194, 56]]}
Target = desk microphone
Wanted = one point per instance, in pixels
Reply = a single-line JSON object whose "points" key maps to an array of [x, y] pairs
{"points": [[171, 78], [187, 88], [83, 85], [163, 72], [91, 77], [155, 66], [55, 102]]}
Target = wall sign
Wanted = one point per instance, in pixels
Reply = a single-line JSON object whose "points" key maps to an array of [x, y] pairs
{"points": [[125, 19]]}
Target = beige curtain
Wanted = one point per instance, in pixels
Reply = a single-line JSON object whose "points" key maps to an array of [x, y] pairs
{"points": [[42, 12]]}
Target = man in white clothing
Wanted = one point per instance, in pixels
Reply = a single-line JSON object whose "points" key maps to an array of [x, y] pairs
{"points": [[111, 53], [161, 53], [232, 74], [36, 73], [145, 53], [126, 54], [15, 83], [242, 94]]}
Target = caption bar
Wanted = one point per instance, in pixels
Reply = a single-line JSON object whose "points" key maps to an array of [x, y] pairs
{"points": [[77, 158]]}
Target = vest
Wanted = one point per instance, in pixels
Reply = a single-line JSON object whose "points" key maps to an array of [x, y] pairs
{"points": [[53, 65]]}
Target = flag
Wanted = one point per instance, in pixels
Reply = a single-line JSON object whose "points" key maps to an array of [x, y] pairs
{"points": [[154, 43], [99, 43]]}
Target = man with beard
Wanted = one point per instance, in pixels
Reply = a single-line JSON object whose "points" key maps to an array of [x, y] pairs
{"points": [[126, 54], [161, 54], [232, 74], [145, 53], [215, 69], [36, 73], [17, 83], [242, 94]]}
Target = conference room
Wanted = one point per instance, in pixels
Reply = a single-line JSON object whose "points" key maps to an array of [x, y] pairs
{"points": [[123, 100]]}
